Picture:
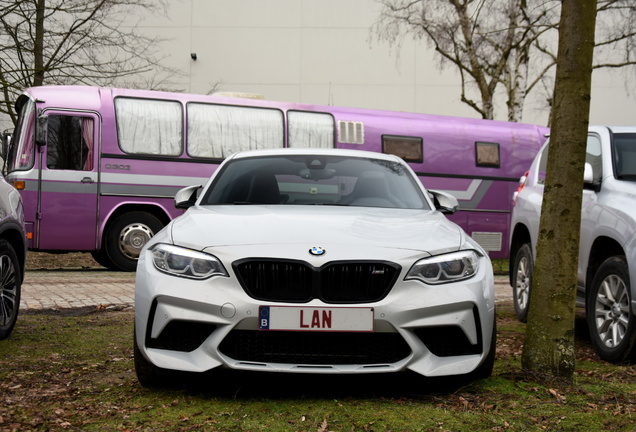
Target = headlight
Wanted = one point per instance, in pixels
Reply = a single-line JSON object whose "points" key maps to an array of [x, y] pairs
{"points": [[445, 268], [183, 262]]}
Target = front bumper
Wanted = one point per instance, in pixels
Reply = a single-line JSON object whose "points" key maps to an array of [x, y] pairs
{"points": [[196, 326]]}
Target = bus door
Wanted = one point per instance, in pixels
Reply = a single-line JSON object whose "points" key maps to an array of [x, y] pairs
{"points": [[68, 182]]}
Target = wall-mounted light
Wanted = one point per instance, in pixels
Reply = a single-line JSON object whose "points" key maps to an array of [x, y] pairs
{"points": [[193, 56]]}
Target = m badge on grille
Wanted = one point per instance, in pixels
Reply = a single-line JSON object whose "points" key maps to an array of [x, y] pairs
{"points": [[317, 251]]}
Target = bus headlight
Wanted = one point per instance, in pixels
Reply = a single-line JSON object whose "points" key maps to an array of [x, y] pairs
{"points": [[178, 261], [447, 268]]}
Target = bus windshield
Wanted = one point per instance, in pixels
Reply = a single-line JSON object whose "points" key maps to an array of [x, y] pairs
{"points": [[21, 154]]}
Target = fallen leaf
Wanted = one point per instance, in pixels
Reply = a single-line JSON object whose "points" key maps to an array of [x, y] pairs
{"points": [[323, 426]]}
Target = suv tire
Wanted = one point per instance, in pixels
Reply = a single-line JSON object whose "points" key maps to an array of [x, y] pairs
{"points": [[522, 281], [608, 310]]}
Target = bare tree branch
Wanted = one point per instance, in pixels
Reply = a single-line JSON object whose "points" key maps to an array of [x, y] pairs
{"points": [[75, 42], [509, 43]]}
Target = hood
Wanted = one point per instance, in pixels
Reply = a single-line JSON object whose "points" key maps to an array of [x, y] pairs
{"points": [[356, 227]]}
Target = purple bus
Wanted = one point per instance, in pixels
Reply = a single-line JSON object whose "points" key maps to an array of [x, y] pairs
{"points": [[98, 167]]}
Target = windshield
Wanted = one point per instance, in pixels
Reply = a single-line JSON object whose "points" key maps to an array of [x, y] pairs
{"points": [[316, 180], [625, 156], [21, 154]]}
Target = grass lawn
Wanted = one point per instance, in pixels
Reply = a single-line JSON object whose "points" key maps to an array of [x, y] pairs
{"points": [[73, 371]]}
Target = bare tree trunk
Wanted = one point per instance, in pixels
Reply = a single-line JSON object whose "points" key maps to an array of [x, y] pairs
{"points": [[62, 42], [549, 345], [517, 85], [38, 46], [517, 81]]}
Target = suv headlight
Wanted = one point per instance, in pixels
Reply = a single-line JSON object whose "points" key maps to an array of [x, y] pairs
{"points": [[187, 263], [447, 268]]}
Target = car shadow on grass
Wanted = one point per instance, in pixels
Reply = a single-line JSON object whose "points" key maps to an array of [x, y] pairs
{"points": [[245, 385]]}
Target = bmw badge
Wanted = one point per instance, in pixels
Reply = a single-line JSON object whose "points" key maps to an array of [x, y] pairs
{"points": [[317, 251]]}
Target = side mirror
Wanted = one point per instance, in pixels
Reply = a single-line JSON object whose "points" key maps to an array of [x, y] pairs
{"points": [[588, 178], [40, 130], [588, 174], [186, 197], [6, 143], [444, 202]]}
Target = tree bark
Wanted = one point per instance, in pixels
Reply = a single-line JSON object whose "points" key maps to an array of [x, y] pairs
{"points": [[38, 45], [549, 344]]}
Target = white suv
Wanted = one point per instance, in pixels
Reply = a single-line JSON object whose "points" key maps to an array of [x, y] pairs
{"points": [[607, 250]]}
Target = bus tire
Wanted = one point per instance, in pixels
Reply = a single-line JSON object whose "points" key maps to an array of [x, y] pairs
{"points": [[127, 235], [101, 258], [10, 286]]}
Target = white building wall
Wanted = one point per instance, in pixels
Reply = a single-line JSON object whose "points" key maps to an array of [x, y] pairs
{"points": [[311, 51], [321, 52]]}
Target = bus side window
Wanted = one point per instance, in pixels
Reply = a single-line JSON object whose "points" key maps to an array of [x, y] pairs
{"points": [[411, 149], [217, 131], [149, 126], [487, 154], [69, 143], [310, 129]]}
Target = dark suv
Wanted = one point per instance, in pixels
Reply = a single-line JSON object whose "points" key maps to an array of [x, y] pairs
{"points": [[13, 248]]}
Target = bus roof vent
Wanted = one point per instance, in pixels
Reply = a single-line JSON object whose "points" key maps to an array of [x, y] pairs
{"points": [[350, 132]]}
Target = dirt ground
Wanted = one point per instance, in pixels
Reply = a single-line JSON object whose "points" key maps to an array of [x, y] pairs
{"points": [[50, 261]]}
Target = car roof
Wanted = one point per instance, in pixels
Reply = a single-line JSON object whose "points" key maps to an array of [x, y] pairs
{"points": [[316, 152], [622, 129], [613, 129]]}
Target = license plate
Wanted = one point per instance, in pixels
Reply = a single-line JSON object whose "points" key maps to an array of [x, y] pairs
{"points": [[350, 319]]}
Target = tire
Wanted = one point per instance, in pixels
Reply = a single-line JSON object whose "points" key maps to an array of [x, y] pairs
{"points": [[127, 235], [608, 309], [148, 374], [101, 257], [10, 288], [485, 369], [522, 281]]}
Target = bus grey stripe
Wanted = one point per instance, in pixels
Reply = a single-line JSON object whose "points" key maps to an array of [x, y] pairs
{"points": [[106, 189], [143, 179], [477, 196], [60, 187], [129, 190]]}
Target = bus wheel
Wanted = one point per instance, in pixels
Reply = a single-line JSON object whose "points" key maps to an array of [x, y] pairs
{"points": [[127, 235], [101, 257], [10, 284]]}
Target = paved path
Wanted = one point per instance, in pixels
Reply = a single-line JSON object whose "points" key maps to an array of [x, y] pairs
{"points": [[101, 289], [77, 289]]}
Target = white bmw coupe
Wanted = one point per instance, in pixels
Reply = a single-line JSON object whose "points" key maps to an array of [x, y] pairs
{"points": [[314, 261]]}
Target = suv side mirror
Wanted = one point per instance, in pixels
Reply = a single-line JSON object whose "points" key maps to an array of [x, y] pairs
{"points": [[588, 178], [444, 202], [588, 173], [186, 197]]}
